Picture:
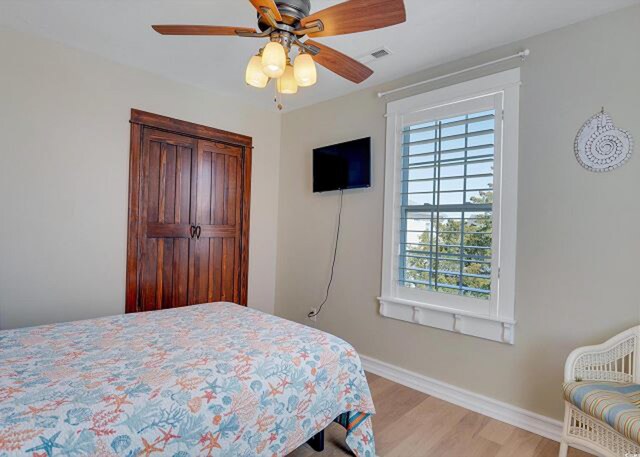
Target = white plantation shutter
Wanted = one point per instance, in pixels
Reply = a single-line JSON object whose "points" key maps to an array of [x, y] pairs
{"points": [[446, 205], [450, 207]]}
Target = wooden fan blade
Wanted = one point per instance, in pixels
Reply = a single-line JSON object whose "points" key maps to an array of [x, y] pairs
{"points": [[355, 16], [199, 30], [339, 63], [270, 4]]}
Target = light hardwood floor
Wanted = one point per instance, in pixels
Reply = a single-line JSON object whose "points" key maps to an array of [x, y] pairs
{"points": [[409, 423]]}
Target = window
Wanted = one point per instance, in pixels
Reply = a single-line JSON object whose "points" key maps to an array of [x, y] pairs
{"points": [[450, 208], [447, 205]]}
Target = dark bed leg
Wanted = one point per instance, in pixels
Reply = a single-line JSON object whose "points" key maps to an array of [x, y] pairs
{"points": [[317, 442]]}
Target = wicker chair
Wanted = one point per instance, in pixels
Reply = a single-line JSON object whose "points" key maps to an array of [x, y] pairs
{"points": [[599, 409]]}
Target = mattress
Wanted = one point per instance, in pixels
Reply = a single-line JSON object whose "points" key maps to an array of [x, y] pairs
{"points": [[215, 380]]}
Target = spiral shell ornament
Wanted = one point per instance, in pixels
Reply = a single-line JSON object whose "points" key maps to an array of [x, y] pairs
{"points": [[600, 146]]}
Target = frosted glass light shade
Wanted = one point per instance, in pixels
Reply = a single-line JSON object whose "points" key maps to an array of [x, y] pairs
{"points": [[255, 76], [287, 82], [304, 70], [274, 60]]}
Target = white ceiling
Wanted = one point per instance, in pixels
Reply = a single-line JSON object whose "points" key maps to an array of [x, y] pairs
{"points": [[437, 31]]}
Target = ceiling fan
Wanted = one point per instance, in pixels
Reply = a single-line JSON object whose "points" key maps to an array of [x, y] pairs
{"points": [[286, 23]]}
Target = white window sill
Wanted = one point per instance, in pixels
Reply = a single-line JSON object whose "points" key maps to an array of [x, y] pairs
{"points": [[481, 326]]}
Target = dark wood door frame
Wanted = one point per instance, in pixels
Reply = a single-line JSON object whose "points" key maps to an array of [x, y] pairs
{"points": [[140, 120]]}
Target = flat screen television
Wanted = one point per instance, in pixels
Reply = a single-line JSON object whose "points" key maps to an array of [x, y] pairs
{"points": [[342, 166]]}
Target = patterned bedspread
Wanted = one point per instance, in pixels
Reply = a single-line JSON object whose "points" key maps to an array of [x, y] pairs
{"points": [[213, 380]]}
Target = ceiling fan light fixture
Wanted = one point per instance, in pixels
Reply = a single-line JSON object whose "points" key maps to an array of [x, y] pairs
{"points": [[254, 75], [288, 24], [304, 70], [287, 83], [274, 60]]}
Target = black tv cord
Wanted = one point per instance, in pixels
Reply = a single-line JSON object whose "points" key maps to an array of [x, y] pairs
{"points": [[313, 314]]}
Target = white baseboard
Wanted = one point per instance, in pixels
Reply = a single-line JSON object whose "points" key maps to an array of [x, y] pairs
{"points": [[504, 412]]}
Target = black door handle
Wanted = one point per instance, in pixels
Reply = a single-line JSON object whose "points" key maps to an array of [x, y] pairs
{"points": [[192, 231], [198, 231]]}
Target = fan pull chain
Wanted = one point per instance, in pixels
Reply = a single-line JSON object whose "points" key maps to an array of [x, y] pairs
{"points": [[276, 98]]}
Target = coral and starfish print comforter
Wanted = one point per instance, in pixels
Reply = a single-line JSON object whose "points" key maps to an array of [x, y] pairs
{"points": [[206, 380]]}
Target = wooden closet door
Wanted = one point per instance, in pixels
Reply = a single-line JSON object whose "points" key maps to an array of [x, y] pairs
{"points": [[217, 272], [168, 194], [188, 228]]}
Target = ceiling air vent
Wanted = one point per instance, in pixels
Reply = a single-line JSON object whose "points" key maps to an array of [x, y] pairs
{"points": [[380, 53], [374, 55]]}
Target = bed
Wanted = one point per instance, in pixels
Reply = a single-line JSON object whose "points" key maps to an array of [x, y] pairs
{"points": [[215, 380]]}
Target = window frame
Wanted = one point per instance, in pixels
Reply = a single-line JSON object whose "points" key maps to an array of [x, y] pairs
{"points": [[492, 319]]}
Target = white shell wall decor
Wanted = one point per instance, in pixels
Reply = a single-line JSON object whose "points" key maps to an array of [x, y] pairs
{"points": [[600, 146]]}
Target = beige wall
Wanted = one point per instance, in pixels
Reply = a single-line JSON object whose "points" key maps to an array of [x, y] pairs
{"points": [[64, 151], [578, 232]]}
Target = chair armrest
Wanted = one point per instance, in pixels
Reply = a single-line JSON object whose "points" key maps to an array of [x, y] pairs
{"points": [[617, 359]]}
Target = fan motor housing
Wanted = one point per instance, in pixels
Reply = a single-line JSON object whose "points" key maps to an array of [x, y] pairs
{"points": [[290, 10]]}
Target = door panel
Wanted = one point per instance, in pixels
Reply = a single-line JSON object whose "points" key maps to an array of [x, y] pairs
{"points": [[188, 214], [230, 255], [168, 188], [217, 252]]}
